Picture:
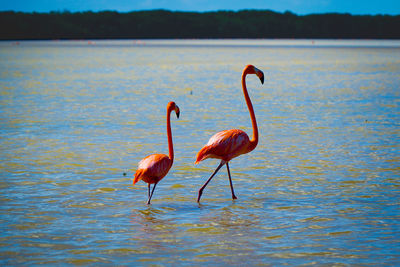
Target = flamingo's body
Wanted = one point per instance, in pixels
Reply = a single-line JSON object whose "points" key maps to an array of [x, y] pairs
{"points": [[154, 167], [228, 144], [225, 145]]}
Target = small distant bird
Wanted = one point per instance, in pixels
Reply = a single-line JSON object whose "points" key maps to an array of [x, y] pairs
{"points": [[229, 144], [154, 167]]}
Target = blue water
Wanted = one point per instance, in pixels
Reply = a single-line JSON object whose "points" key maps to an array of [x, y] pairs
{"points": [[321, 188]]}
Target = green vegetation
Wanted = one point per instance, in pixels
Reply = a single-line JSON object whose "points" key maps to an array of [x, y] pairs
{"points": [[220, 24]]}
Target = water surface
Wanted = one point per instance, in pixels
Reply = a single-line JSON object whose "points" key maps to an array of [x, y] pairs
{"points": [[322, 187]]}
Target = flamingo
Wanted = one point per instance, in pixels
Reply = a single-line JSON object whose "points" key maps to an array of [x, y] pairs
{"points": [[154, 167], [229, 144]]}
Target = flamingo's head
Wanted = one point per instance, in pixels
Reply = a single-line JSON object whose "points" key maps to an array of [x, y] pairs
{"points": [[172, 106], [250, 69]]}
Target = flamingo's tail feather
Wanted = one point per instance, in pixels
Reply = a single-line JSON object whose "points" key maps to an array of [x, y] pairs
{"points": [[203, 154], [138, 176]]}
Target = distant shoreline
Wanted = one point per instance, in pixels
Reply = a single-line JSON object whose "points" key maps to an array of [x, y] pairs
{"points": [[213, 43], [164, 24]]}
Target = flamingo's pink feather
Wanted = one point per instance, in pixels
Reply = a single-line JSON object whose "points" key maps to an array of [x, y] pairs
{"points": [[225, 145]]}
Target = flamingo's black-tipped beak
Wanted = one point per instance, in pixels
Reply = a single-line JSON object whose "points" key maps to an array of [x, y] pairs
{"points": [[177, 111], [262, 79], [177, 114], [259, 74]]}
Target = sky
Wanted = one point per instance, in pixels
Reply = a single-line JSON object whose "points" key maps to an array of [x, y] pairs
{"points": [[300, 7]]}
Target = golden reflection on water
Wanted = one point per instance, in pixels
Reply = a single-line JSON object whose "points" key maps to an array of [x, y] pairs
{"points": [[321, 188]]}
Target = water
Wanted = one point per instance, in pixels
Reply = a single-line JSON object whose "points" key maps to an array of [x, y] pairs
{"points": [[321, 188]]}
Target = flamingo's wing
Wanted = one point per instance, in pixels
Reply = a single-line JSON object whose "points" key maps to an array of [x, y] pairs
{"points": [[224, 145], [153, 168]]}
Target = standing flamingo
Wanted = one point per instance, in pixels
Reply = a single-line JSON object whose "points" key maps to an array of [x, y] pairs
{"points": [[229, 144], [154, 167]]}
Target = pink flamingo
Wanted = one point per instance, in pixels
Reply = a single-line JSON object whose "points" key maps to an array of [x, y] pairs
{"points": [[229, 144], [154, 167]]}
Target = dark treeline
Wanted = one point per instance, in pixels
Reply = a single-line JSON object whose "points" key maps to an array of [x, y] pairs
{"points": [[220, 24]]}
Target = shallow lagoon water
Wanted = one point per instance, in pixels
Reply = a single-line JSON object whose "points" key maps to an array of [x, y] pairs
{"points": [[321, 188]]}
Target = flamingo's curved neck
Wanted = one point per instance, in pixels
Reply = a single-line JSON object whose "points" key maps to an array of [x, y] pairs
{"points": [[254, 140], [169, 135]]}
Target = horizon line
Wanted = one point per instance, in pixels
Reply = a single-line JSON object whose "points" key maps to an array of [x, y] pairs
{"points": [[208, 11]]}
